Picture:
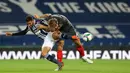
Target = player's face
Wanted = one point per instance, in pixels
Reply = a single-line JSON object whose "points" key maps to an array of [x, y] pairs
{"points": [[30, 23]]}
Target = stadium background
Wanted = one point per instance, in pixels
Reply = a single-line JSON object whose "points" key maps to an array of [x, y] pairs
{"points": [[107, 20]]}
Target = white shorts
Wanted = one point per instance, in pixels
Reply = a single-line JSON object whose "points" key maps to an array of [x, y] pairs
{"points": [[48, 41]]}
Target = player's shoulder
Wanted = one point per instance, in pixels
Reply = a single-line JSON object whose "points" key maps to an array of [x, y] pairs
{"points": [[56, 15]]}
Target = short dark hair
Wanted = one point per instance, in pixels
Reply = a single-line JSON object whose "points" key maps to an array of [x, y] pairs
{"points": [[29, 18]]}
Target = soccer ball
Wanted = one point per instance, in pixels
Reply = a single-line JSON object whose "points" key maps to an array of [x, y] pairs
{"points": [[87, 36]]}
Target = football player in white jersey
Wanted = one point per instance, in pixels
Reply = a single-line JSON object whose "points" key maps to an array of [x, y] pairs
{"points": [[49, 38], [52, 37]]}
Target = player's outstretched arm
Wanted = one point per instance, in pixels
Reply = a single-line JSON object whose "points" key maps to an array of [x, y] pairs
{"points": [[18, 33], [8, 34]]}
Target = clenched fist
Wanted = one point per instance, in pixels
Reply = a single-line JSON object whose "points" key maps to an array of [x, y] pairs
{"points": [[8, 34], [36, 16]]}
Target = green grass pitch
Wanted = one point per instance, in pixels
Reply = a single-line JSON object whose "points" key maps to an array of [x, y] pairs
{"points": [[71, 66]]}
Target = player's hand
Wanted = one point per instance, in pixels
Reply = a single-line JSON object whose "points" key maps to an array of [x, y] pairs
{"points": [[36, 16], [8, 34], [46, 15]]}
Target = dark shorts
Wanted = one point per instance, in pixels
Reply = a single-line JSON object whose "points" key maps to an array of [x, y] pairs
{"points": [[71, 32], [68, 34]]}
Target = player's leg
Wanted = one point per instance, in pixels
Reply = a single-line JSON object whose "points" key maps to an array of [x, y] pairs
{"points": [[60, 45], [80, 48], [46, 47], [69, 32], [49, 57]]}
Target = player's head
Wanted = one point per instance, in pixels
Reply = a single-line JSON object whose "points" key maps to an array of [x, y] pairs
{"points": [[29, 20], [53, 24]]}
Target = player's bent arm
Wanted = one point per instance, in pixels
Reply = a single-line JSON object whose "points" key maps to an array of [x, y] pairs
{"points": [[43, 27], [18, 33], [45, 15], [42, 16], [36, 16]]}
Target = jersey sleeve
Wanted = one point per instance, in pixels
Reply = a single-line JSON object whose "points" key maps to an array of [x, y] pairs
{"points": [[21, 32], [43, 22]]}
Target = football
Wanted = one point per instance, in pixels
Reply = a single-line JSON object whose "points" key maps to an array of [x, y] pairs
{"points": [[87, 36]]}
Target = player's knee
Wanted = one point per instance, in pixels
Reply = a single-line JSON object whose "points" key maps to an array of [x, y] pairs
{"points": [[44, 54], [45, 51], [61, 43], [75, 37], [60, 48], [77, 42]]}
